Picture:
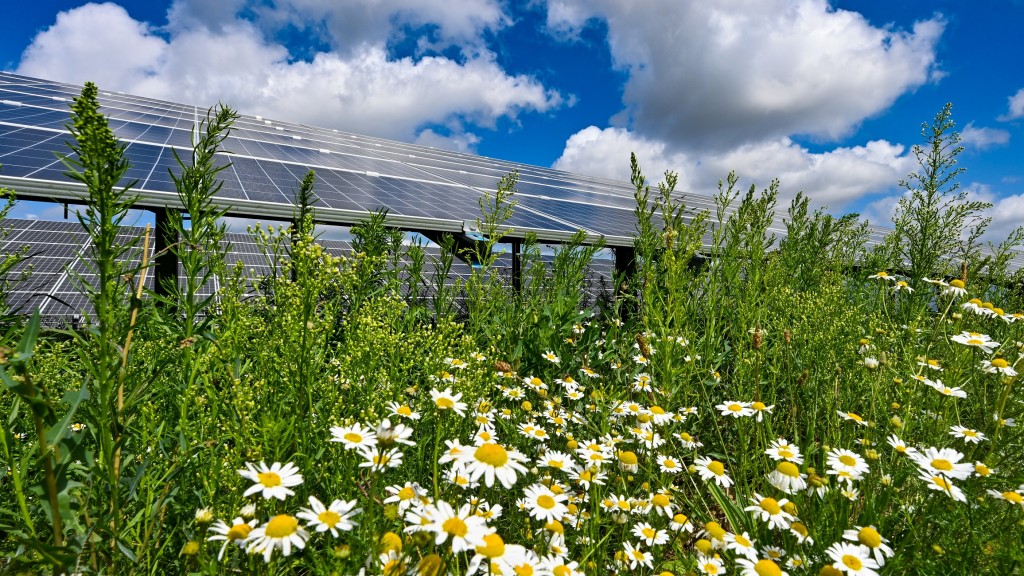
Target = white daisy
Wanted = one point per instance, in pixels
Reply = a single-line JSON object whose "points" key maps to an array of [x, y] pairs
{"points": [[735, 408], [461, 527], [851, 559], [770, 510], [338, 516], [649, 534], [966, 434], [713, 470], [869, 537], [446, 400], [543, 504], [235, 534], [282, 531], [274, 481], [492, 460]]}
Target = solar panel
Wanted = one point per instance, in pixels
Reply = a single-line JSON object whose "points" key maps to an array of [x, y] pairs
{"points": [[422, 188]]}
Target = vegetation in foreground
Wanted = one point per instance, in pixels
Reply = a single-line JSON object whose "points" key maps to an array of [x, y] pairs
{"points": [[815, 407]]}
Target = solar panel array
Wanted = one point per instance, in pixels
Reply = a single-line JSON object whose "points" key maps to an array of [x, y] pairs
{"points": [[51, 277], [423, 188]]}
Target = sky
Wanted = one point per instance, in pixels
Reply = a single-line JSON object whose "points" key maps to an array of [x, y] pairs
{"points": [[828, 97]]}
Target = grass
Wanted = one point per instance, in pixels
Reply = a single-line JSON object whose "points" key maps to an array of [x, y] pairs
{"points": [[780, 408]]}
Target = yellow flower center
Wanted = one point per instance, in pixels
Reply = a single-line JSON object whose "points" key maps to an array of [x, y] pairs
{"points": [[545, 501], [555, 526], [942, 464], [561, 570], [956, 283], [493, 454], [269, 479], [869, 537], [523, 570], [743, 541], [848, 460], [649, 533], [1000, 363], [329, 518], [494, 546], [282, 526], [799, 528], [431, 565], [942, 483], [239, 532], [686, 437], [766, 567], [970, 433], [404, 411], [455, 526], [660, 500], [390, 541], [406, 493], [353, 437], [717, 468], [975, 342], [1013, 497], [852, 562], [628, 458], [855, 416], [735, 407], [771, 506], [785, 453], [758, 406], [445, 403], [669, 463], [715, 530], [710, 568]]}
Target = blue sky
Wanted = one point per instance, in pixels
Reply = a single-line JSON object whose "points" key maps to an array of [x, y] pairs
{"points": [[826, 96]]}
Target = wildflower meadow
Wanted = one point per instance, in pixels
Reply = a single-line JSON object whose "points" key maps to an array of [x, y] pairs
{"points": [[735, 403]]}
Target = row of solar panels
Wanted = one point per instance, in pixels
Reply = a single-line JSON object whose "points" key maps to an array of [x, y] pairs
{"points": [[55, 271], [423, 188]]}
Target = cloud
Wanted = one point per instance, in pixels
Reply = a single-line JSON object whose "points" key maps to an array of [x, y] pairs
{"points": [[458, 142], [362, 91], [353, 25], [982, 138], [834, 178], [1006, 212], [716, 75], [1016, 106], [72, 50]]}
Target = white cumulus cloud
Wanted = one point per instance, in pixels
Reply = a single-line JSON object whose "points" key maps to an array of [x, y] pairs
{"points": [[982, 138], [1015, 106], [833, 178], [720, 74], [362, 90]]}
